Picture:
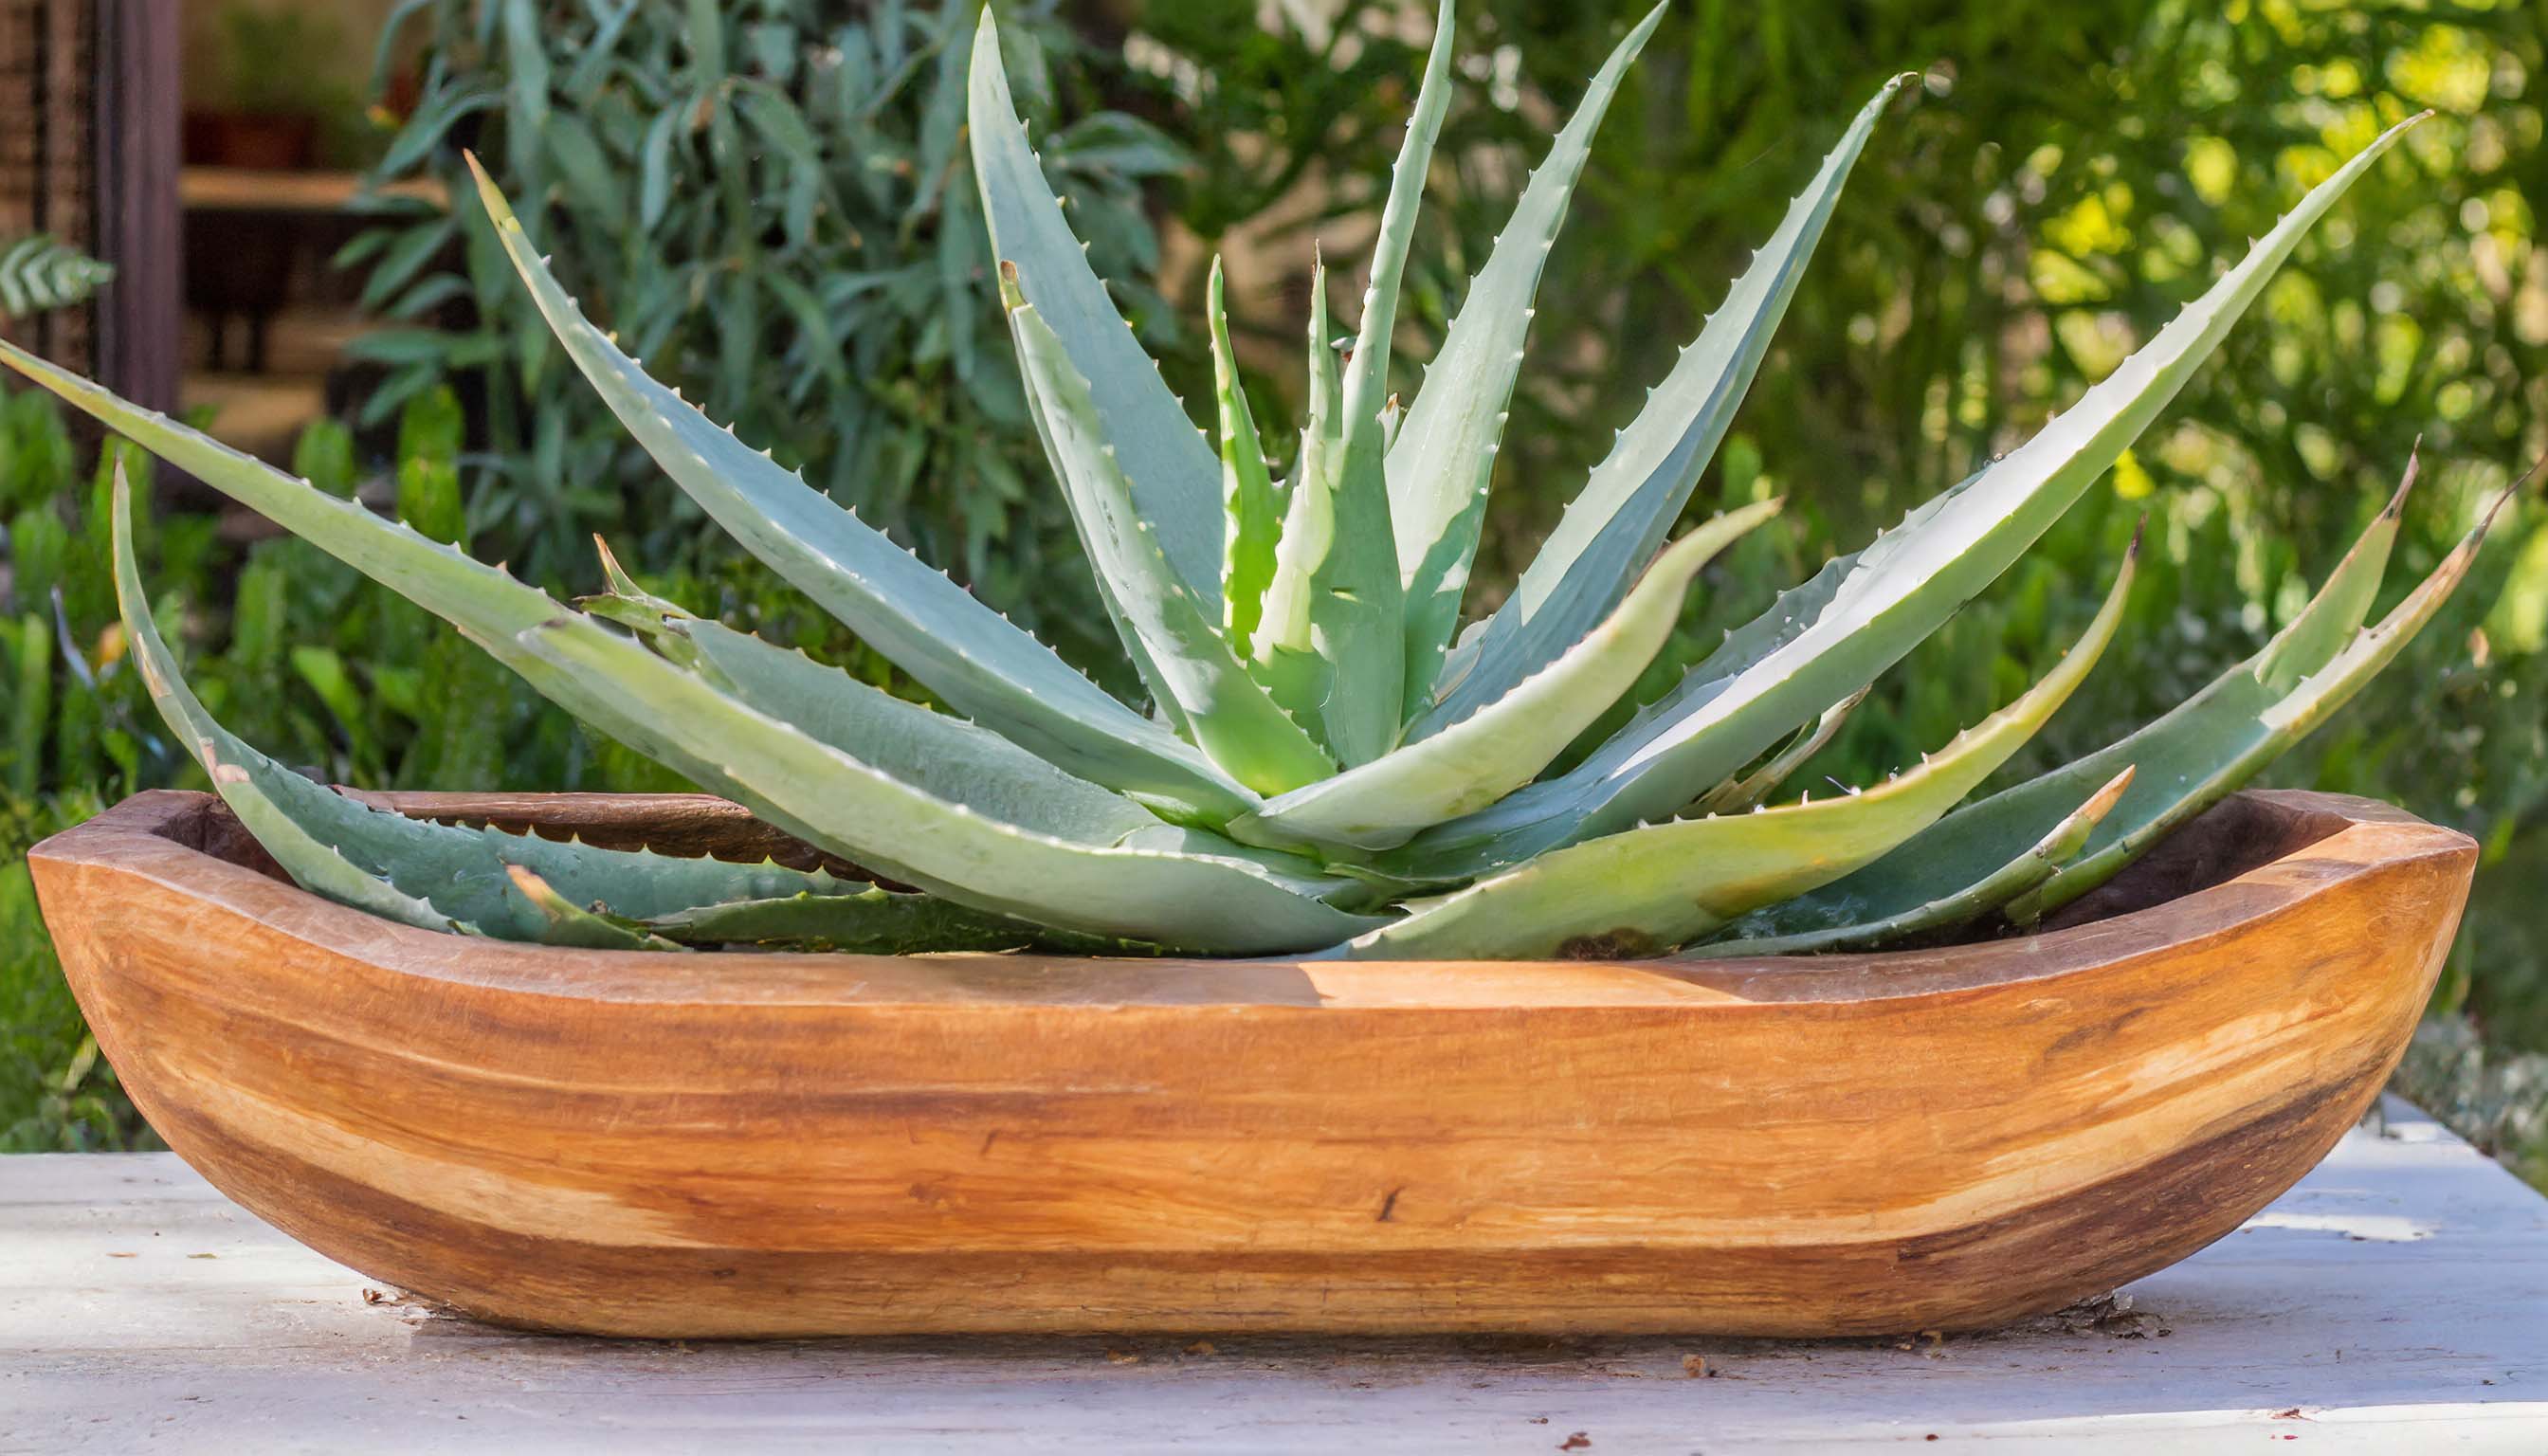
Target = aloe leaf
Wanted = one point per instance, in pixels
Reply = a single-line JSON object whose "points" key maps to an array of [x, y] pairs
{"points": [[1285, 660], [438, 876], [1348, 612], [939, 755], [260, 791], [2337, 611], [1174, 478], [641, 611], [1366, 381], [1947, 913], [1832, 635], [1181, 888], [466, 871], [1444, 453], [2185, 762], [567, 923], [262, 794], [625, 586], [1735, 795], [1329, 643], [1632, 497], [1507, 743], [1249, 500], [1645, 891], [1176, 636], [987, 669], [1354, 604], [873, 922], [2240, 751], [1164, 885]]}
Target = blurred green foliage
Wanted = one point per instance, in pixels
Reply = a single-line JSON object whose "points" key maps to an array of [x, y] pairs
{"points": [[768, 200], [770, 204]]}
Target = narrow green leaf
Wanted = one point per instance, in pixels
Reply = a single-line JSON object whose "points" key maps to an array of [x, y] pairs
{"points": [[706, 35], [987, 669], [2337, 613], [245, 779], [1832, 635], [591, 175], [1947, 913], [2235, 756], [1346, 609], [407, 254], [1507, 743], [1366, 381], [1174, 478], [1444, 455], [1253, 508], [1319, 646], [1742, 792], [526, 64], [655, 167], [1182, 888], [566, 923], [418, 871], [1645, 891], [1171, 633], [1633, 495], [2186, 761], [872, 922], [1163, 885], [936, 754], [1351, 600]]}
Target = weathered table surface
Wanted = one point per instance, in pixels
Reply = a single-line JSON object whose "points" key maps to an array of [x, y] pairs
{"points": [[2395, 1301]]}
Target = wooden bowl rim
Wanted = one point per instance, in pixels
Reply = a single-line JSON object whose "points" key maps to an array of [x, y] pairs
{"points": [[2330, 839]]}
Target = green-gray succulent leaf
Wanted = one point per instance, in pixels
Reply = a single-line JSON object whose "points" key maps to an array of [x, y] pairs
{"points": [[1174, 634], [2341, 604], [267, 797], [1177, 888], [1444, 453], [872, 922], [439, 876], [2235, 752], [1936, 918], [1163, 885], [1329, 639], [1341, 595], [1647, 889], [1508, 742], [2184, 761], [1740, 793], [983, 665], [566, 923], [1175, 477], [1631, 498], [939, 755], [1250, 501], [1366, 378], [1832, 635]]}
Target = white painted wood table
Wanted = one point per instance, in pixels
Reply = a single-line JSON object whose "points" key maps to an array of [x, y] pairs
{"points": [[2397, 1301]]}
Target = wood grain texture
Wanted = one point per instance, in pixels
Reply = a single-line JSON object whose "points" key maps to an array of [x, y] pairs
{"points": [[741, 1145]]}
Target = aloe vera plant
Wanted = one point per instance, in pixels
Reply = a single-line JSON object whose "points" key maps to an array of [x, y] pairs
{"points": [[1333, 765]]}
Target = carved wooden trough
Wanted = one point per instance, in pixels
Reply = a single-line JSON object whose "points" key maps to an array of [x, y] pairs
{"points": [[787, 1144]]}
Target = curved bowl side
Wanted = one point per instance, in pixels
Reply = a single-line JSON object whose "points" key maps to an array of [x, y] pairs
{"points": [[746, 1144]]}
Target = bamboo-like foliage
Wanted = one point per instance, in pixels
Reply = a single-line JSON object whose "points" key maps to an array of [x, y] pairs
{"points": [[1335, 766]]}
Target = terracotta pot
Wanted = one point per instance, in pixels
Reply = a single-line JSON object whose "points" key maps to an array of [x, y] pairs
{"points": [[783, 1144]]}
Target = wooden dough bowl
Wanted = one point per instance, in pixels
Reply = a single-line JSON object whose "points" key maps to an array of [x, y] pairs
{"points": [[794, 1144]]}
